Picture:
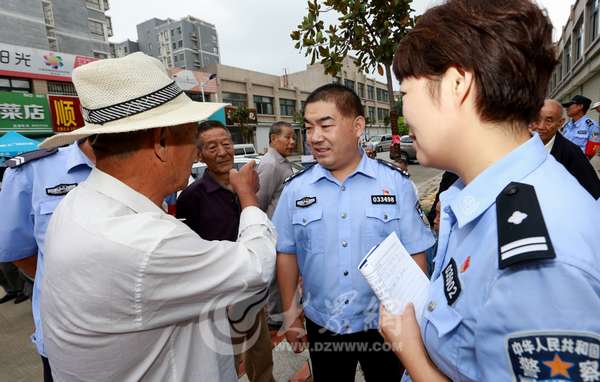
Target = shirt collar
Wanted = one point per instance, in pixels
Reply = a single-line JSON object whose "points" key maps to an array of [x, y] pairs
{"points": [[470, 201], [120, 192], [278, 157], [550, 143], [209, 183], [366, 166], [75, 157]]}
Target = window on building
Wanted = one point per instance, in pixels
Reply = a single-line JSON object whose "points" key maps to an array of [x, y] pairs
{"points": [[174, 45], [593, 12], [61, 88], [181, 57], [264, 105], [380, 114], [349, 84], [236, 99], [567, 57], [372, 118], [178, 30], [180, 43], [10, 84], [370, 92], [94, 4], [302, 106], [379, 95], [337, 80], [579, 40], [360, 89], [287, 106], [96, 29], [172, 32], [100, 55]]}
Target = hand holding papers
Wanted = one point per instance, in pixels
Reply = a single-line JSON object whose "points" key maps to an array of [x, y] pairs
{"points": [[394, 276]]}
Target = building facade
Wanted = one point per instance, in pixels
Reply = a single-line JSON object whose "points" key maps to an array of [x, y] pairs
{"points": [[124, 48], [578, 71], [374, 94], [78, 27], [188, 43], [282, 98]]}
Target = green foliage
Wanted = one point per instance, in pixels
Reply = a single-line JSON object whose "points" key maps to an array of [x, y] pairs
{"points": [[369, 29], [241, 116], [402, 126]]}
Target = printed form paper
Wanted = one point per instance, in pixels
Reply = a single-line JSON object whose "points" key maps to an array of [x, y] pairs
{"points": [[394, 276]]}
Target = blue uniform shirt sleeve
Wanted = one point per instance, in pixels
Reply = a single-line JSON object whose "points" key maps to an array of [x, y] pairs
{"points": [[531, 306], [16, 231], [282, 220], [414, 234]]}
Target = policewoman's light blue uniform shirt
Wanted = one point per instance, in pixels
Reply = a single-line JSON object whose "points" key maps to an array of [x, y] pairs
{"points": [[331, 226], [28, 201], [581, 131], [501, 322]]}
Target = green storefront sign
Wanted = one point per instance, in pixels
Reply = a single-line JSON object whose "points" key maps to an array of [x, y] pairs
{"points": [[25, 113]]}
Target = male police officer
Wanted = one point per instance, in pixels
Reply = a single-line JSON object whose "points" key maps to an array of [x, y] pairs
{"points": [[580, 129], [32, 187], [328, 218]]}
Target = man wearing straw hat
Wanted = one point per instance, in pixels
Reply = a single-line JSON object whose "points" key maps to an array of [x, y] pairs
{"points": [[131, 293]]}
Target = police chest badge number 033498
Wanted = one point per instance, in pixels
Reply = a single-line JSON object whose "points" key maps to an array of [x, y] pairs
{"points": [[383, 199]]}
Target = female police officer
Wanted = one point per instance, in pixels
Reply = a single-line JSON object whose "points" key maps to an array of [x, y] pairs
{"points": [[515, 293]]}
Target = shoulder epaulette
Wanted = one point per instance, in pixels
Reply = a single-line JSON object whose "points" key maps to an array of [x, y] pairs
{"points": [[589, 122], [31, 156], [293, 176], [393, 167], [522, 233]]}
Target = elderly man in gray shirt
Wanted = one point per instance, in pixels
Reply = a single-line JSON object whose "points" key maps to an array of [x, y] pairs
{"points": [[274, 168], [272, 171]]}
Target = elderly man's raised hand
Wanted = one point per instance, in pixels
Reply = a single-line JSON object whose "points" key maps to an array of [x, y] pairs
{"points": [[245, 184]]}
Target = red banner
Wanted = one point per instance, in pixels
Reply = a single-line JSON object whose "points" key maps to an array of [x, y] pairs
{"points": [[66, 113]]}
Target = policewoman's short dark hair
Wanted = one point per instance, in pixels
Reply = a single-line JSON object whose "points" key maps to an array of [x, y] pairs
{"points": [[344, 98], [506, 44]]}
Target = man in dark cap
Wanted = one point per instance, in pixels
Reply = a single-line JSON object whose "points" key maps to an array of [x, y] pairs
{"points": [[580, 129]]}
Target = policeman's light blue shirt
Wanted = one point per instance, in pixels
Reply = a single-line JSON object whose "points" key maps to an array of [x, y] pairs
{"points": [[29, 195], [331, 225], [527, 321], [580, 131]]}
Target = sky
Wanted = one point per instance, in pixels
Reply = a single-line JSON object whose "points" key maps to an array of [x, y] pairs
{"points": [[254, 34]]}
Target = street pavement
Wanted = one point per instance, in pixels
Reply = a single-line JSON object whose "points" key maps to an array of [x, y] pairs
{"points": [[19, 361]]}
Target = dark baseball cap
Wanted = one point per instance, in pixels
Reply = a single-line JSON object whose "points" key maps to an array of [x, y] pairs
{"points": [[579, 100]]}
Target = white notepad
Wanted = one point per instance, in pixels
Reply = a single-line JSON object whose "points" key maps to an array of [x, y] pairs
{"points": [[394, 276]]}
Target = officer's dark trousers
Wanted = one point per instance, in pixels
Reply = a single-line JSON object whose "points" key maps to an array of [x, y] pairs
{"points": [[334, 356], [47, 371]]}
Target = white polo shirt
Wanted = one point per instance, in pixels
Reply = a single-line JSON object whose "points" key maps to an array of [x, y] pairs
{"points": [[131, 293]]}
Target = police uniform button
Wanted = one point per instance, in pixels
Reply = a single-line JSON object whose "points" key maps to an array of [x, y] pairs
{"points": [[344, 215], [344, 243], [343, 188], [385, 217], [512, 190], [346, 273], [303, 220], [431, 306], [346, 302]]}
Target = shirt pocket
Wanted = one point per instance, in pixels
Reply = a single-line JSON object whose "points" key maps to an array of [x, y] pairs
{"points": [[382, 220], [309, 231], [47, 207]]}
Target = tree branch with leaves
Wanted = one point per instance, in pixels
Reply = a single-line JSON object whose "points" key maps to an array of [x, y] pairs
{"points": [[368, 29]]}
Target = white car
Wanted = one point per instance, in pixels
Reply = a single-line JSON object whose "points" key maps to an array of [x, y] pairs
{"points": [[198, 168]]}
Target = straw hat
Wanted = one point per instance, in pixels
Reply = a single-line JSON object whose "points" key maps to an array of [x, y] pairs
{"points": [[128, 94]]}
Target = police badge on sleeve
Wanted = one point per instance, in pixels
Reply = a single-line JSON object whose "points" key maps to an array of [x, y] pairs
{"points": [[555, 356]]}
